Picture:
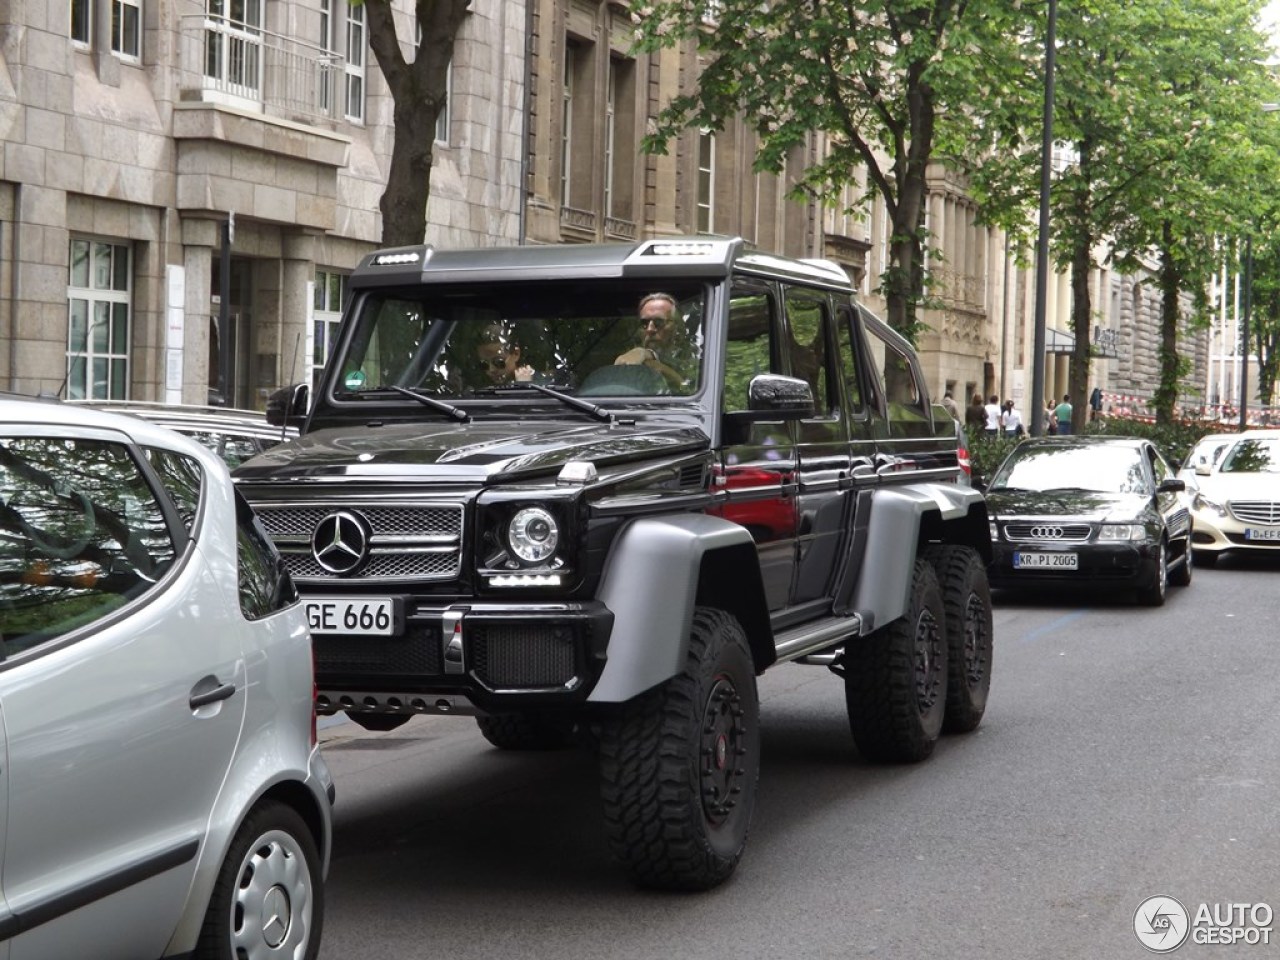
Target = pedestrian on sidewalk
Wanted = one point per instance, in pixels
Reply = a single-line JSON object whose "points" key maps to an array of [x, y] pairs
{"points": [[1063, 415]]}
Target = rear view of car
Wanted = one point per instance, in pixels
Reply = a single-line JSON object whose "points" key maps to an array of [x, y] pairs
{"points": [[163, 793]]}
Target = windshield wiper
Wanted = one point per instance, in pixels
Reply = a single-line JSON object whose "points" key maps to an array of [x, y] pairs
{"points": [[603, 414], [456, 413]]}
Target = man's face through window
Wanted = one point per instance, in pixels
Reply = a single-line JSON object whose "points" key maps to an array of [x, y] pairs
{"points": [[655, 322]]}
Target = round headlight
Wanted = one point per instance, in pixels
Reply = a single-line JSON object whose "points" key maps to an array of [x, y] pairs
{"points": [[533, 534]]}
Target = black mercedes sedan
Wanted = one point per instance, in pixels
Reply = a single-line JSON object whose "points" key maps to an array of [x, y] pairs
{"points": [[1102, 511]]}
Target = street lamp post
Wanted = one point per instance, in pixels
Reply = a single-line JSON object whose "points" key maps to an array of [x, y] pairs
{"points": [[1042, 240], [1244, 333]]}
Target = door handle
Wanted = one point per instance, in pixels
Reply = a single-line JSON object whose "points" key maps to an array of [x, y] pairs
{"points": [[210, 690]]}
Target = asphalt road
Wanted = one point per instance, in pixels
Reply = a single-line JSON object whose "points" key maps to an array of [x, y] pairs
{"points": [[1126, 752]]}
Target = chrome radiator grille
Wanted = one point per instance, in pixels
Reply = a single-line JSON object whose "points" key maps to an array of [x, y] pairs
{"points": [[406, 541], [1255, 511], [1047, 531]]}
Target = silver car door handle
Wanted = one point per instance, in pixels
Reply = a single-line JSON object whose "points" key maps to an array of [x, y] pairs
{"points": [[208, 691]]}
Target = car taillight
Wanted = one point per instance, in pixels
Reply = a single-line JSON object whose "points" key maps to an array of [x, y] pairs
{"points": [[962, 456]]}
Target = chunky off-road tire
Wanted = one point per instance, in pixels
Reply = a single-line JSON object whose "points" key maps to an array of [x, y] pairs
{"points": [[895, 680], [268, 901], [966, 596], [526, 731], [1180, 576], [1153, 595], [679, 764]]}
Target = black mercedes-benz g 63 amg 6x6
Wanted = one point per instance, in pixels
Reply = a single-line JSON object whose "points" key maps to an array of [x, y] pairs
{"points": [[603, 487]]}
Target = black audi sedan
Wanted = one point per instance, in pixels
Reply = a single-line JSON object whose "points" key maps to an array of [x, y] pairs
{"points": [[1102, 511]]}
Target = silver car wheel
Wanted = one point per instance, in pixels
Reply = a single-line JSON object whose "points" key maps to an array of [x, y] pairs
{"points": [[271, 905]]}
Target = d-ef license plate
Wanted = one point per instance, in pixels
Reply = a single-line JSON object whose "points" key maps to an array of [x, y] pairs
{"points": [[1268, 533], [1045, 560], [361, 616]]}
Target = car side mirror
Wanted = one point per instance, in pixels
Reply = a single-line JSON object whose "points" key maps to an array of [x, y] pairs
{"points": [[287, 407], [1171, 485], [772, 397], [1203, 469]]}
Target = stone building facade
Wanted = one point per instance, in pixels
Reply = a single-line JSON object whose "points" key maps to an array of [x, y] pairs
{"points": [[144, 140], [148, 143]]}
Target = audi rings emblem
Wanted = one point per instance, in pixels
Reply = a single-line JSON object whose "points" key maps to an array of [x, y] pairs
{"points": [[340, 542], [1045, 532]]}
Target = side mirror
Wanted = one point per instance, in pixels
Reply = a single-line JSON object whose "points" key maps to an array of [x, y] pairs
{"points": [[772, 397], [1171, 485], [1203, 469], [287, 407]]}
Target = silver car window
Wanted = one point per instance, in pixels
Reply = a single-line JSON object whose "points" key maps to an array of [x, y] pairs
{"points": [[81, 533]]}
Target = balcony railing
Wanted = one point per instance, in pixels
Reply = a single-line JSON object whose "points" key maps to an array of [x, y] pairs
{"points": [[242, 65]]}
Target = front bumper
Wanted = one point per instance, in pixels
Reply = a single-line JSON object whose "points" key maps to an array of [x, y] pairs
{"points": [[467, 657], [1215, 533], [1121, 564]]}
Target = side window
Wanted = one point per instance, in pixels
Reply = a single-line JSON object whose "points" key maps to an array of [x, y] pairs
{"points": [[749, 348], [896, 378], [855, 404], [182, 479], [81, 534], [265, 585], [1158, 466], [807, 347]]}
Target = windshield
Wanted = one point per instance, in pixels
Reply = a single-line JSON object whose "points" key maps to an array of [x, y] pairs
{"points": [[1253, 456], [585, 337], [1101, 469]]}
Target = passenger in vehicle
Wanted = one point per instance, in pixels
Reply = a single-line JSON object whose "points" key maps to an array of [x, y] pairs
{"points": [[499, 357]]}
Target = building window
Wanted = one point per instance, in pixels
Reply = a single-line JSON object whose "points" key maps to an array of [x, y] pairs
{"points": [[126, 28], [706, 181], [355, 62], [566, 123], [233, 47], [81, 22], [98, 301], [328, 78], [331, 291], [442, 118], [610, 132]]}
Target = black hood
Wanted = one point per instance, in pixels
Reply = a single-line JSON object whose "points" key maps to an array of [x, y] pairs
{"points": [[478, 451], [1067, 505]]}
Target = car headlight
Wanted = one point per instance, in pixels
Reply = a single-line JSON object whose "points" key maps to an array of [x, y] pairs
{"points": [[533, 534], [1121, 531], [1201, 502], [995, 530]]}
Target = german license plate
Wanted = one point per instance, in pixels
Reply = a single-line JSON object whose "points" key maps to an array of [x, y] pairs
{"points": [[362, 616], [1045, 560], [1268, 533]]}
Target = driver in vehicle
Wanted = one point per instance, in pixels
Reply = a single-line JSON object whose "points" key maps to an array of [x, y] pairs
{"points": [[661, 331]]}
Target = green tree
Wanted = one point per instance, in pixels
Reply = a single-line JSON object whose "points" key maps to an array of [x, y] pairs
{"points": [[1156, 102], [418, 91], [892, 84], [1223, 159]]}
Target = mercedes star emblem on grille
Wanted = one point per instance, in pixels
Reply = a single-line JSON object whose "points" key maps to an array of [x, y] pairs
{"points": [[340, 542], [1044, 532]]}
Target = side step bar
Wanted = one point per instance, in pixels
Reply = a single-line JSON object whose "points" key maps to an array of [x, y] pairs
{"points": [[813, 641]]}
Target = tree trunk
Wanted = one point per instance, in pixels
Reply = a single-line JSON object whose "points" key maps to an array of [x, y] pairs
{"points": [[1171, 365], [1078, 376], [418, 91]]}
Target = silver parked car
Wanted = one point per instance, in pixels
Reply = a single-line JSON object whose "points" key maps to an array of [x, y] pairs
{"points": [[163, 793]]}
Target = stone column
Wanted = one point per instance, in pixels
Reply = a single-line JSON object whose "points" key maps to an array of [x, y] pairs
{"points": [[199, 372], [299, 274]]}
